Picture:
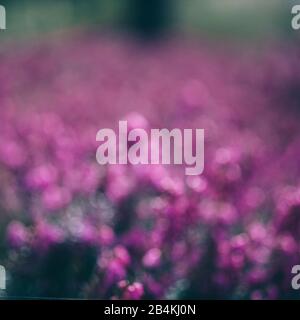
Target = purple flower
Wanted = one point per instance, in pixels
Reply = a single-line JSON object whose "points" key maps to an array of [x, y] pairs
{"points": [[152, 258], [17, 234], [46, 235]]}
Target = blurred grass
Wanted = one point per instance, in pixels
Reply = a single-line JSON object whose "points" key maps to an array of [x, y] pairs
{"points": [[242, 19], [33, 18]]}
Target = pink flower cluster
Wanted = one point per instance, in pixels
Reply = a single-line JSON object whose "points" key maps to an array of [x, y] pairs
{"points": [[72, 228]]}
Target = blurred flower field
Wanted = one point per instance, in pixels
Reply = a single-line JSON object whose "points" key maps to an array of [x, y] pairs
{"points": [[72, 228]]}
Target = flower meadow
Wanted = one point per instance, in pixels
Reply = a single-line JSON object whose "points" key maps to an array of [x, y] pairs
{"points": [[70, 227]]}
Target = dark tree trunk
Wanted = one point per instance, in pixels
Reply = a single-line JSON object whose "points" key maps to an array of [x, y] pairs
{"points": [[149, 18]]}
